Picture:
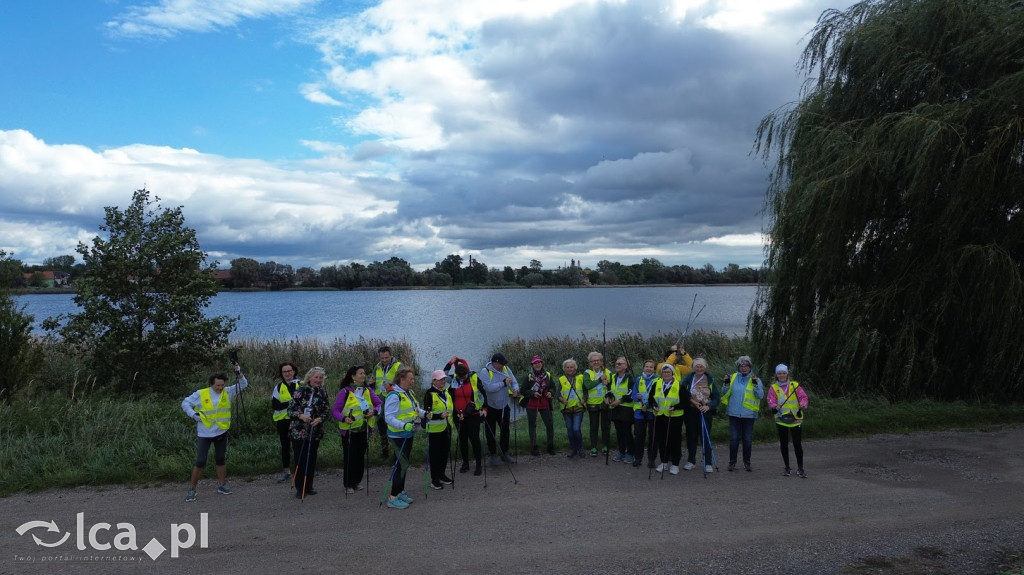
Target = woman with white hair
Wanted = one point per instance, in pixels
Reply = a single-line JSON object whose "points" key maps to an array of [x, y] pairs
{"points": [[700, 411], [742, 407]]}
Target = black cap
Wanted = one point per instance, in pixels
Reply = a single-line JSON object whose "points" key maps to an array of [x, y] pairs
{"points": [[499, 358]]}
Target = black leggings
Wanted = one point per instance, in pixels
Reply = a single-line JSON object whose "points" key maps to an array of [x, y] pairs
{"points": [[286, 442], [468, 431], [438, 447], [403, 449], [305, 464], [798, 449], [354, 456], [599, 418], [220, 449]]}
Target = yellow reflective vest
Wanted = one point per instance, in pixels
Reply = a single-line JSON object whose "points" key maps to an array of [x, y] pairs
{"points": [[209, 414], [664, 400], [284, 396], [355, 409], [750, 401], [573, 393]]}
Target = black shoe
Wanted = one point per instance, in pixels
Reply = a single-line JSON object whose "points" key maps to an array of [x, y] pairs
{"points": [[551, 450], [310, 491], [507, 458], [436, 485], [636, 463], [298, 496], [479, 470], [447, 480], [464, 468], [534, 452]]}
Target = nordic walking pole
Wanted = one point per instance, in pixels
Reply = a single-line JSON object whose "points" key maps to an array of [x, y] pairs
{"points": [[604, 357], [391, 476], [668, 424], [652, 446], [348, 457], [426, 469], [309, 451], [366, 456], [500, 450], [515, 432]]}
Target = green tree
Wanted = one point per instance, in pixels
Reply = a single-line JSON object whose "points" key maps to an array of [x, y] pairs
{"points": [[63, 263], [245, 272], [451, 265], [142, 298], [20, 355], [895, 204]]}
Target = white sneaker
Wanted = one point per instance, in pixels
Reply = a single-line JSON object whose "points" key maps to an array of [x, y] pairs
{"points": [[674, 470], [709, 469], [689, 466], [660, 467]]}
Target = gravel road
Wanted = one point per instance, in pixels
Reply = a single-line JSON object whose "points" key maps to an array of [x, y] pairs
{"points": [[945, 502]]}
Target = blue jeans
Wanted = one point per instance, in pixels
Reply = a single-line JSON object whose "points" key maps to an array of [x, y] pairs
{"points": [[574, 429], [740, 428]]}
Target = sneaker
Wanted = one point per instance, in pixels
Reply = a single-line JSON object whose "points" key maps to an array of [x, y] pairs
{"points": [[494, 460], [447, 480], [747, 467], [801, 474], [661, 467], [786, 472], [535, 452], [397, 503], [190, 496], [689, 465], [732, 466], [285, 476], [479, 469], [627, 459], [464, 468], [709, 469], [572, 453], [604, 451], [650, 464], [593, 452], [223, 489], [436, 485], [507, 458], [359, 487], [617, 456], [310, 491], [674, 470], [637, 463], [405, 497], [349, 491], [551, 450]]}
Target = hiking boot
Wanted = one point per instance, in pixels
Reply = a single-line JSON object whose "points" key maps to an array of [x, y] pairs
{"points": [[397, 503], [689, 465], [465, 467], [674, 470], [709, 469], [223, 489], [285, 476], [405, 497], [801, 474], [436, 485], [190, 495]]}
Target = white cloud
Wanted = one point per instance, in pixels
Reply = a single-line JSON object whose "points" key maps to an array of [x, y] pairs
{"points": [[166, 18]]}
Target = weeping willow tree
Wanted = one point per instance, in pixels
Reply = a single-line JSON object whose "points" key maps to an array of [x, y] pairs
{"points": [[894, 207]]}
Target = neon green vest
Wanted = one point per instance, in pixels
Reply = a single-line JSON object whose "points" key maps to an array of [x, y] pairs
{"points": [[621, 388], [790, 405], [285, 396], [445, 404], [595, 396], [408, 409], [572, 393], [354, 409], [221, 415], [663, 400], [383, 379], [750, 401]]}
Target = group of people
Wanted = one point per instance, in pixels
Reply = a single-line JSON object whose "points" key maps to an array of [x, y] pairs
{"points": [[652, 412]]}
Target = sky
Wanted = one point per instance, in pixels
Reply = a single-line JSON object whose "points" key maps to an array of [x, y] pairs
{"points": [[317, 132]]}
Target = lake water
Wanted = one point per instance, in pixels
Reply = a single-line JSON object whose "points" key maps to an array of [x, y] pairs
{"points": [[439, 323]]}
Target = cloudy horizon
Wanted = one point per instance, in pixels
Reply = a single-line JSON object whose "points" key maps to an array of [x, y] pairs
{"points": [[311, 134]]}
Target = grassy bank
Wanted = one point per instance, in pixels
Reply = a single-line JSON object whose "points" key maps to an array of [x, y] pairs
{"points": [[71, 434]]}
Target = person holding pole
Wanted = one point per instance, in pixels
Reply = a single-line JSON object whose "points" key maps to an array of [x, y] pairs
{"points": [[669, 399], [355, 409], [742, 399], [439, 406], [210, 407], [537, 392], [702, 402], [788, 400], [402, 412], [469, 399], [279, 399], [308, 411], [622, 410], [597, 381], [573, 400], [500, 388], [383, 378], [643, 415]]}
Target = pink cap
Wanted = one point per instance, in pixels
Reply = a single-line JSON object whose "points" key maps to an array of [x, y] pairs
{"points": [[438, 374], [535, 359]]}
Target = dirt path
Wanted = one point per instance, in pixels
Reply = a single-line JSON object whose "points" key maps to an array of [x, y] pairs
{"points": [[949, 502]]}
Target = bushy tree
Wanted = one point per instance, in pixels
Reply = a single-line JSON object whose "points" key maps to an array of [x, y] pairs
{"points": [[895, 206], [142, 297], [245, 272], [20, 354]]}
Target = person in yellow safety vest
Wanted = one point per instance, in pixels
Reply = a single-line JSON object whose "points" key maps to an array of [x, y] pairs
{"points": [[439, 405], [622, 410], [210, 407], [501, 390], [383, 379], [680, 360], [279, 399], [668, 418], [402, 412], [469, 400], [354, 410], [643, 417], [742, 399], [572, 396], [787, 400], [597, 381]]}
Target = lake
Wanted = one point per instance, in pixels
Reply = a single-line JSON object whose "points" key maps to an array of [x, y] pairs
{"points": [[469, 323]]}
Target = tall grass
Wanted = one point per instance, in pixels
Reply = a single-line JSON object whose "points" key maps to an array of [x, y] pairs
{"points": [[72, 433]]}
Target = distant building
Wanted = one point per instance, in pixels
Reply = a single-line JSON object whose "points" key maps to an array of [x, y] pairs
{"points": [[48, 278]]}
